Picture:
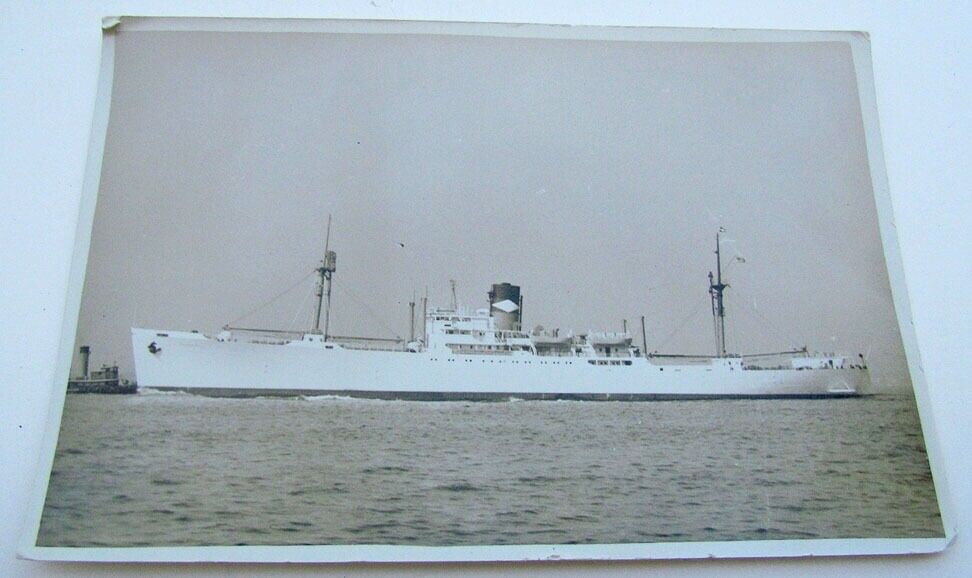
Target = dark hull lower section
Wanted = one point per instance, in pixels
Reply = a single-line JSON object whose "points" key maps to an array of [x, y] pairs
{"points": [[489, 396], [112, 388]]}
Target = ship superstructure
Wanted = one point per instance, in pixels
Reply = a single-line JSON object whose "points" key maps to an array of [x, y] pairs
{"points": [[484, 353]]}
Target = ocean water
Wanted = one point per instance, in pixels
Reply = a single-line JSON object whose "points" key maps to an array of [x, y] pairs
{"points": [[159, 469]]}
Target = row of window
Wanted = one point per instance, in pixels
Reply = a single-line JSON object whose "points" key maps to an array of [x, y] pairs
{"points": [[512, 361], [591, 361], [482, 333], [465, 332], [476, 348]]}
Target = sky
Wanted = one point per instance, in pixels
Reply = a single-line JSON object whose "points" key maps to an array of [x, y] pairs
{"points": [[594, 174]]}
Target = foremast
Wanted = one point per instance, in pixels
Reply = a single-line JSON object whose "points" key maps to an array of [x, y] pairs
{"points": [[716, 290]]}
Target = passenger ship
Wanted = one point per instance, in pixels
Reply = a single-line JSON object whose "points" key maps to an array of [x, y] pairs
{"points": [[478, 354]]}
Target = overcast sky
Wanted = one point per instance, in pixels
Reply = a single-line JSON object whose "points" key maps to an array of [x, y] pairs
{"points": [[593, 174]]}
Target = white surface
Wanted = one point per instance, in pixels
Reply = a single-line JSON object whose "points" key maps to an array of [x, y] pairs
{"points": [[191, 360], [48, 71]]}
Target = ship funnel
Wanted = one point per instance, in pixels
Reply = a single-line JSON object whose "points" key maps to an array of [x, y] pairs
{"points": [[506, 306], [85, 352]]}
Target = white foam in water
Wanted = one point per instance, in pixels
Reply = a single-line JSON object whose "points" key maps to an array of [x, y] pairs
{"points": [[150, 391], [330, 397]]}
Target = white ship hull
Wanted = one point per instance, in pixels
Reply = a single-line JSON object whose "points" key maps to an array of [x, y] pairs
{"points": [[192, 361]]}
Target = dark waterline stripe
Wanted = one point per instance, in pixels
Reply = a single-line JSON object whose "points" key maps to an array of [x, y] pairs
{"points": [[490, 396]]}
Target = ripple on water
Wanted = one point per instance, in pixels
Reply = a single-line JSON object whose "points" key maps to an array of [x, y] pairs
{"points": [[166, 482], [180, 469], [459, 487]]}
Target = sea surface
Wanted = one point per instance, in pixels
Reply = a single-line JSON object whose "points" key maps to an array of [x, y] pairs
{"points": [[158, 469]]}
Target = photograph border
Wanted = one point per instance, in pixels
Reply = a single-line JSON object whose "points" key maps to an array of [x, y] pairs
{"points": [[860, 50]]}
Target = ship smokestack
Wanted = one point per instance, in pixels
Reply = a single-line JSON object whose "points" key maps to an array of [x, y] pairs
{"points": [[85, 352], [505, 306]]}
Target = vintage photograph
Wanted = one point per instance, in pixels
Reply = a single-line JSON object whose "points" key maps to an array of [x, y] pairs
{"points": [[485, 285]]}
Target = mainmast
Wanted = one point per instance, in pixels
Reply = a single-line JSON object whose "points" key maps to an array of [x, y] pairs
{"points": [[716, 288], [325, 271]]}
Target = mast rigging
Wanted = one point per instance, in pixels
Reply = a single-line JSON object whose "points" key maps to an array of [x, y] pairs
{"points": [[326, 272], [716, 289]]}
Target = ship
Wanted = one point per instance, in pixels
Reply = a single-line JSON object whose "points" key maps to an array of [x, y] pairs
{"points": [[104, 380], [479, 354]]}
